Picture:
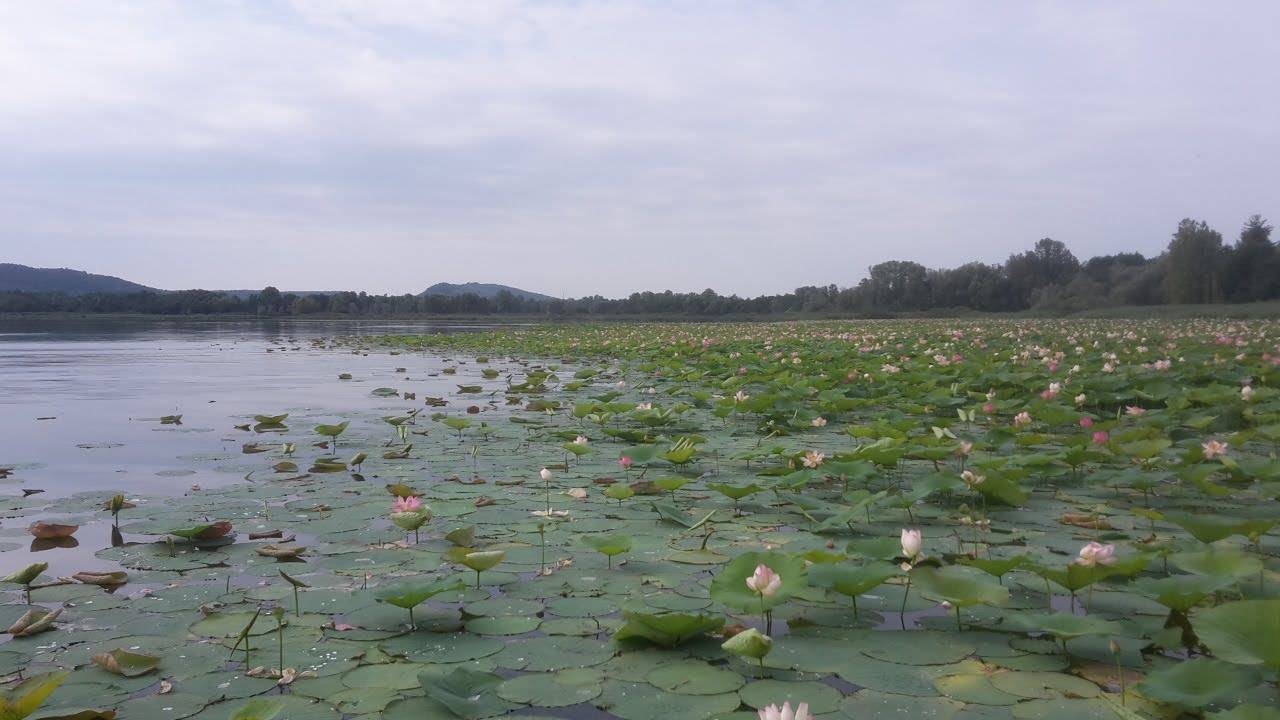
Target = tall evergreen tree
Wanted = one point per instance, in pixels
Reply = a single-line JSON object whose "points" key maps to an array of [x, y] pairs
{"points": [[1253, 267]]}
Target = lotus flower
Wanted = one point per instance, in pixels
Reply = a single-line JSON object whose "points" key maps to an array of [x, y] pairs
{"points": [[740, 396], [965, 448], [989, 408], [1134, 411], [813, 459], [773, 712], [1213, 449], [819, 422], [1246, 393], [580, 440], [625, 462], [764, 581], [406, 504], [545, 474], [1086, 422], [971, 478], [911, 544], [1081, 398], [1096, 554], [1022, 419]]}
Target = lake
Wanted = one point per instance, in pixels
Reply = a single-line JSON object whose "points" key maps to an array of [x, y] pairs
{"points": [[81, 402]]}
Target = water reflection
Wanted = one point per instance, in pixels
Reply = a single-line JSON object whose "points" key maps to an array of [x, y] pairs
{"points": [[42, 544]]}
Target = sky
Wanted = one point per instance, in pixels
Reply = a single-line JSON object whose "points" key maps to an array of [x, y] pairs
{"points": [[584, 147]]}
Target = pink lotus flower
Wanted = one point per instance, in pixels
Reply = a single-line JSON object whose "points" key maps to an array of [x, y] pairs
{"points": [[764, 580], [1134, 411], [1101, 437], [625, 462], [1096, 554], [1213, 449], [773, 712], [911, 543], [1086, 422], [1022, 419], [406, 504], [989, 408], [813, 459], [818, 422], [965, 448]]}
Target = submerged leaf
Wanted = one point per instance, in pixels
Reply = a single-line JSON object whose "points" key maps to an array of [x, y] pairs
{"points": [[128, 664]]}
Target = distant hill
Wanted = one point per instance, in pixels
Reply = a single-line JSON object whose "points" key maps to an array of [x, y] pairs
{"points": [[244, 294], [485, 290], [72, 282]]}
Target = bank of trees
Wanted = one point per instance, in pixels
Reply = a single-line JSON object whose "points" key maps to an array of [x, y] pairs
{"points": [[1198, 266]]}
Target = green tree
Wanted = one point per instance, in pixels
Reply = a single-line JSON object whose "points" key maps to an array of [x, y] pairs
{"points": [[1194, 264], [269, 301], [1252, 270], [1048, 263]]}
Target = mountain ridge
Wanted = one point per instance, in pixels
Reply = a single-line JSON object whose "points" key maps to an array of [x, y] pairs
{"points": [[24, 278], [484, 290], [15, 277]]}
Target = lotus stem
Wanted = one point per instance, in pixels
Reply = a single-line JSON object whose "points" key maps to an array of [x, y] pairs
{"points": [[477, 579], [1120, 677], [297, 604], [280, 636], [412, 625], [902, 612], [959, 627]]}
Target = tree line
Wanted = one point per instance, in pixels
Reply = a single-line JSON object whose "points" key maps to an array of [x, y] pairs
{"points": [[1197, 267]]}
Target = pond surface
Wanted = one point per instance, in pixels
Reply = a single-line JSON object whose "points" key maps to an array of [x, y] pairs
{"points": [[81, 402]]}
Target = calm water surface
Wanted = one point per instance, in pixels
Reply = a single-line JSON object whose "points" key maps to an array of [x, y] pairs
{"points": [[81, 401]]}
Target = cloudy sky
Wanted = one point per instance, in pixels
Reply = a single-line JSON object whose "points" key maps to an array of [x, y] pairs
{"points": [[586, 146]]}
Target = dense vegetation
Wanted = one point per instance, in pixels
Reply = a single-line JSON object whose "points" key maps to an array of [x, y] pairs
{"points": [[1197, 267], [870, 520]]}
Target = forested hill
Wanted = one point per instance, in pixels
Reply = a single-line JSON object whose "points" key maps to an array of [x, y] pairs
{"points": [[1197, 267], [484, 290], [21, 278]]}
